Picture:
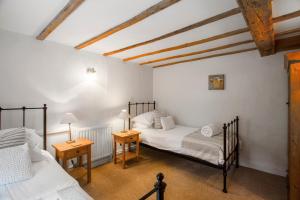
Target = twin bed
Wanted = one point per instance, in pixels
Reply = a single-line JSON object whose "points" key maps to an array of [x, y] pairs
{"points": [[220, 151], [49, 181]]}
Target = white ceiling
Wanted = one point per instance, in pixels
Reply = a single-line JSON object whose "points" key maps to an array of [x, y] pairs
{"points": [[96, 16]]}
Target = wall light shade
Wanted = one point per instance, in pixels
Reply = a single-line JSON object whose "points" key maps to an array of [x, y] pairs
{"points": [[90, 70]]}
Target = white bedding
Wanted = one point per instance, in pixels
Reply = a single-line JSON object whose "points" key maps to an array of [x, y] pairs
{"points": [[49, 182], [171, 140]]}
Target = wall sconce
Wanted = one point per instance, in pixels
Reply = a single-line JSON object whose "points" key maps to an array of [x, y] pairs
{"points": [[90, 70]]}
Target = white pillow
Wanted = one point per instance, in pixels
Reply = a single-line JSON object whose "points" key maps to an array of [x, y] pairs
{"points": [[19, 136], [167, 123], [35, 143], [139, 125], [36, 154], [145, 118], [33, 139], [15, 164], [12, 137], [156, 118]]}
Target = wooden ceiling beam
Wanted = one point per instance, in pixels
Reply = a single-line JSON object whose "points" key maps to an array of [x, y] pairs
{"points": [[198, 52], [179, 31], [197, 42], [286, 17], [258, 16], [141, 16], [206, 57], [59, 18], [286, 44], [287, 32]]}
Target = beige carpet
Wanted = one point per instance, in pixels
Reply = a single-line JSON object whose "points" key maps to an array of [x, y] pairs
{"points": [[185, 180]]}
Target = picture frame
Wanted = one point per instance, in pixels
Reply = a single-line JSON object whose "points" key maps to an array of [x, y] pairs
{"points": [[216, 82]]}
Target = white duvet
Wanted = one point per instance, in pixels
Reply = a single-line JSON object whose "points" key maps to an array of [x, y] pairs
{"points": [[168, 140], [171, 140], [49, 182]]}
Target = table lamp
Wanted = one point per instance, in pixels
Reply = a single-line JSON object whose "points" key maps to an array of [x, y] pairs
{"points": [[124, 115], [69, 118]]}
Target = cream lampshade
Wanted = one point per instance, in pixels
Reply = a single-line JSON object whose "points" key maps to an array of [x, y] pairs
{"points": [[124, 115], [69, 118]]}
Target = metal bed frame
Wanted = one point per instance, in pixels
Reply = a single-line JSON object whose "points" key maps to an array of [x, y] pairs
{"points": [[23, 109], [230, 141]]}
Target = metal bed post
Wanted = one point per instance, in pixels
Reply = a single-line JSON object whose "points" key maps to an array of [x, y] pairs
{"points": [[23, 110], [136, 109], [232, 144], [129, 105], [160, 186], [237, 164], [225, 160], [45, 126]]}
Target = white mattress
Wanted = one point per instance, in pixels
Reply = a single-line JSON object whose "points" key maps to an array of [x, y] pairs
{"points": [[72, 192], [171, 140]]}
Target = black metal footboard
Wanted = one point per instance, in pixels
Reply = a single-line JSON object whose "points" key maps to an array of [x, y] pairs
{"points": [[230, 148]]}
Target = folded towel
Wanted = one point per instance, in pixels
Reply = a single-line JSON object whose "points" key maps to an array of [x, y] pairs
{"points": [[211, 130]]}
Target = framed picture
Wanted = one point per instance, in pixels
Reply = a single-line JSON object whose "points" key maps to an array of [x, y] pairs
{"points": [[216, 82]]}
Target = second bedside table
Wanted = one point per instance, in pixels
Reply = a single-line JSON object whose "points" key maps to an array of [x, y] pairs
{"points": [[123, 139]]}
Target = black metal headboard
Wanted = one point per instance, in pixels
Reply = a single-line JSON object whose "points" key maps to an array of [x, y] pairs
{"points": [[44, 108], [144, 107]]}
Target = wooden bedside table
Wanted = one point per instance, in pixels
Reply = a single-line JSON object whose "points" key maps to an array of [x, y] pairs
{"points": [[77, 149], [123, 139]]}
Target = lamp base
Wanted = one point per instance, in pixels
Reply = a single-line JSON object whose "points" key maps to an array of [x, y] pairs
{"points": [[70, 141], [124, 131]]}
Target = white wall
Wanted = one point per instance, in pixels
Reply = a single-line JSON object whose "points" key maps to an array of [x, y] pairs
{"points": [[255, 89], [33, 73]]}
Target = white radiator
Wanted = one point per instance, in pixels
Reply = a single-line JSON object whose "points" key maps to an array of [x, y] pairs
{"points": [[102, 147]]}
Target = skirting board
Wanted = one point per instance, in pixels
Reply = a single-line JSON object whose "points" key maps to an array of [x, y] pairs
{"points": [[97, 162], [101, 161], [262, 168]]}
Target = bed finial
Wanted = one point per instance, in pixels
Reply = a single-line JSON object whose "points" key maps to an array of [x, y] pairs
{"points": [[160, 186]]}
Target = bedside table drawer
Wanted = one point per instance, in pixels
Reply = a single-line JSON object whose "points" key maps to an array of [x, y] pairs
{"points": [[131, 138], [76, 152]]}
